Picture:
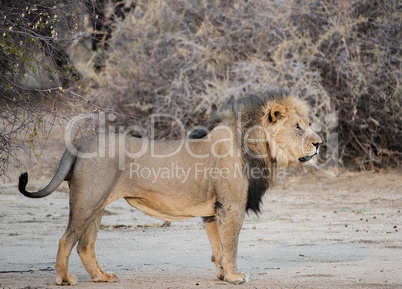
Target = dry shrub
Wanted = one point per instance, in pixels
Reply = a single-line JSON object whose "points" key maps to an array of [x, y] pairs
{"points": [[34, 36], [176, 57]]}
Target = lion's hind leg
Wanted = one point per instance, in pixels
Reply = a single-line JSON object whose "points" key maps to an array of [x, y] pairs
{"points": [[63, 255], [86, 251], [212, 232], [84, 209]]}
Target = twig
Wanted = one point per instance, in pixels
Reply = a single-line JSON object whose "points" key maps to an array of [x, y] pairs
{"points": [[27, 271]]}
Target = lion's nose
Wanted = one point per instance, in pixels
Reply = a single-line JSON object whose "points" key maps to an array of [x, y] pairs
{"points": [[317, 144]]}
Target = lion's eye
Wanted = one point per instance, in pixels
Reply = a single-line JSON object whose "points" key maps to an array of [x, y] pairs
{"points": [[298, 126]]}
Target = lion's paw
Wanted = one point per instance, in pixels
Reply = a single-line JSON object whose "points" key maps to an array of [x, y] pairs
{"points": [[71, 280], [246, 276], [106, 277], [238, 278], [219, 272]]}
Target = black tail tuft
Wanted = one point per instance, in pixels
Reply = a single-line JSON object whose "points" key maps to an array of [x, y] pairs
{"points": [[23, 182]]}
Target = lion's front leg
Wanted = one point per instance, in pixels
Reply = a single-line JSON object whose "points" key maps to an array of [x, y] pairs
{"points": [[229, 222], [212, 232]]}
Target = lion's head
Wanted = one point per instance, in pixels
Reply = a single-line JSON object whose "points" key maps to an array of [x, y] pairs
{"points": [[274, 132], [288, 131]]}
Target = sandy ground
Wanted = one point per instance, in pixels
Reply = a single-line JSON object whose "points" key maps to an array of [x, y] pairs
{"points": [[315, 231]]}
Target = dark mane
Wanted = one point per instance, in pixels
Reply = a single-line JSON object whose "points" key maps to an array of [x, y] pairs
{"points": [[250, 110]]}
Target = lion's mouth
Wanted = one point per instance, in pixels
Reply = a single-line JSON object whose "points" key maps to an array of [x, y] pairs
{"points": [[307, 158]]}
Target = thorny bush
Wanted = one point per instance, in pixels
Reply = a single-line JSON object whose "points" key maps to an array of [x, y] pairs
{"points": [[342, 56]]}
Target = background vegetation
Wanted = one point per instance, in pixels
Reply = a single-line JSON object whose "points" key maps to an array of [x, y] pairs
{"points": [[175, 57]]}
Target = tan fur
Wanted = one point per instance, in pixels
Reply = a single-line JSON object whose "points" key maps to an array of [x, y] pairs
{"points": [[96, 182]]}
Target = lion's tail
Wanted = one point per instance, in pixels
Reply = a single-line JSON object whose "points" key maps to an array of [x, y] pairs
{"points": [[65, 166]]}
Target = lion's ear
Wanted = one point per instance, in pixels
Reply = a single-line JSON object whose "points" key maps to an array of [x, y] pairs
{"points": [[277, 112]]}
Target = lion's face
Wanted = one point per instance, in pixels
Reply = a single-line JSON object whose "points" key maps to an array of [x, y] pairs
{"points": [[290, 137]]}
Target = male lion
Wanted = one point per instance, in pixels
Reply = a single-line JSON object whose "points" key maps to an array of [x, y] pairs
{"points": [[219, 173]]}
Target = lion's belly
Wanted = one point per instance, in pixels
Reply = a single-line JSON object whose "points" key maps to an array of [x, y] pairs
{"points": [[169, 209]]}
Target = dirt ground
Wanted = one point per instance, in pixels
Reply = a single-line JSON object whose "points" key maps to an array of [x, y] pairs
{"points": [[314, 232]]}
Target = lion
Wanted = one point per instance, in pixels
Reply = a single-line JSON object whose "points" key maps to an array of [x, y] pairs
{"points": [[218, 172]]}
